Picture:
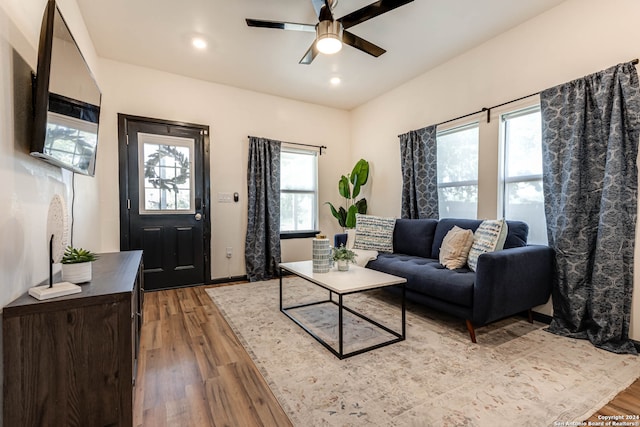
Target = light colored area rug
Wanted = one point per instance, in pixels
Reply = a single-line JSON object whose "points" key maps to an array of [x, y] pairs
{"points": [[517, 374]]}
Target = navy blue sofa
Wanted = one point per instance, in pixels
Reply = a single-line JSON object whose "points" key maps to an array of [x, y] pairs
{"points": [[506, 282]]}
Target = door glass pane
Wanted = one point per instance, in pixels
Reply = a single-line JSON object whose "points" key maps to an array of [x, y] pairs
{"points": [[166, 174]]}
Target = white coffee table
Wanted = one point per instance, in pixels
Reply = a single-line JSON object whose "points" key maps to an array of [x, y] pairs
{"points": [[342, 283]]}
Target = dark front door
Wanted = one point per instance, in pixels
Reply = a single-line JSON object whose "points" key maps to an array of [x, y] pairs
{"points": [[164, 199]]}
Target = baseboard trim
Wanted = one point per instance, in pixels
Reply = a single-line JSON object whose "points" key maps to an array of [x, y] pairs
{"points": [[223, 280], [542, 318]]}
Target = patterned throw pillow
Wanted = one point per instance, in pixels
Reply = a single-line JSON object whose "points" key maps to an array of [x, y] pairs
{"points": [[374, 233], [455, 248], [489, 237]]}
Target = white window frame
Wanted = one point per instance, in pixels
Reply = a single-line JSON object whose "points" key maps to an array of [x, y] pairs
{"points": [[504, 180], [453, 129], [302, 233]]}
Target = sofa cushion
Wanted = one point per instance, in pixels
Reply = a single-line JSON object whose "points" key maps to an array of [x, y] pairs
{"points": [[489, 237], [443, 227], [516, 235], [428, 277], [414, 236], [455, 248], [374, 233]]}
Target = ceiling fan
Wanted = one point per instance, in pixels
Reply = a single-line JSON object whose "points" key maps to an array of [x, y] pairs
{"points": [[332, 33]]}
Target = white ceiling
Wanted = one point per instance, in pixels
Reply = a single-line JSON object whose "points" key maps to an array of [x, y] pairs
{"points": [[417, 36]]}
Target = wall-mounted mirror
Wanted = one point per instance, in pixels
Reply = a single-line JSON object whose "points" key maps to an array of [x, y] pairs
{"points": [[67, 99]]}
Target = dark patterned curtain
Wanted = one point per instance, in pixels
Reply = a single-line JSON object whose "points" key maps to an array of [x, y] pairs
{"points": [[418, 153], [262, 244], [590, 130]]}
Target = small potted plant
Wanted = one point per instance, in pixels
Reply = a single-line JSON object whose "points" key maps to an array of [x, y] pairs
{"points": [[343, 256], [76, 265]]}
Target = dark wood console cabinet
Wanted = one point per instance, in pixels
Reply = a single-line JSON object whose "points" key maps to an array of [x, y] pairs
{"points": [[71, 360]]}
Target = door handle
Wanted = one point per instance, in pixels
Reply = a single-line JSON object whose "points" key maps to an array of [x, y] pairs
{"points": [[198, 216]]}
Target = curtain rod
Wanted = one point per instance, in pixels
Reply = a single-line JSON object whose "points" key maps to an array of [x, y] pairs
{"points": [[320, 147], [488, 110]]}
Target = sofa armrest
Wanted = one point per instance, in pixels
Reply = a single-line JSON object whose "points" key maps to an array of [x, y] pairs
{"points": [[339, 239], [511, 281]]}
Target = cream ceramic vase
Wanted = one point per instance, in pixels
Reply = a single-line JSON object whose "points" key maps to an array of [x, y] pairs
{"points": [[343, 265], [79, 272]]}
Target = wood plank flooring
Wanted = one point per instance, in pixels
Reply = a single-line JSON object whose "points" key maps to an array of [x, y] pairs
{"points": [[193, 371]]}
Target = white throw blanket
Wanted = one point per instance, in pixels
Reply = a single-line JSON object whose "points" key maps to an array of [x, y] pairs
{"points": [[363, 256]]}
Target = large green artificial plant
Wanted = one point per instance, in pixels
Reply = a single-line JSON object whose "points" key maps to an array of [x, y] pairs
{"points": [[349, 188]]}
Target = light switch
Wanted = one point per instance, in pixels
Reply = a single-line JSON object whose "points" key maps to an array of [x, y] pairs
{"points": [[225, 197]]}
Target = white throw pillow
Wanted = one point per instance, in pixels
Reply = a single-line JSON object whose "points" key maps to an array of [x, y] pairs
{"points": [[489, 237], [455, 248], [374, 233]]}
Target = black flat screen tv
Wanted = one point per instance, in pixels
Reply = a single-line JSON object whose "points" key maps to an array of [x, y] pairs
{"points": [[66, 100]]}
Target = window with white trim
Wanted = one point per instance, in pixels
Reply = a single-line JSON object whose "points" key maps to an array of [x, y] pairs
{"points": [[458, 172], [521, 191], [298, 192]]}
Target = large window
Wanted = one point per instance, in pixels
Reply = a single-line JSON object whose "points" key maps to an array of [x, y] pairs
{"points": [[298, 193], [522, 196], [458, 172]]}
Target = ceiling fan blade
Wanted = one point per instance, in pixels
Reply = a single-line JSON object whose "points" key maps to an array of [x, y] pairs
{"points": [[290, 26], [361, 44], [371, 11], [309, 55]]}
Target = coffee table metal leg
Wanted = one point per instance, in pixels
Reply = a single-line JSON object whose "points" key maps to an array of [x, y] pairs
{"points": [[404, 312], [280, 288], [340, 326]]}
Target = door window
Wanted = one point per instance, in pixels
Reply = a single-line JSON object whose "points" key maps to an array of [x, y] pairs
{"points": [[166, 186]]}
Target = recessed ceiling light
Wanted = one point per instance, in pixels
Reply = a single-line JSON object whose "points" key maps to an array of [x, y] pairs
{"points": [[335, 81], [199, 43]]}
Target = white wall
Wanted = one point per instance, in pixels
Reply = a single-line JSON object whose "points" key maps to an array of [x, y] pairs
{"points": [[576, 38], [28, 183], [232, 115]]}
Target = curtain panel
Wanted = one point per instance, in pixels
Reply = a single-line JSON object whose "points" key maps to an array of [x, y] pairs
{"points": [[418, 152], [262, 244], [590, 131]]}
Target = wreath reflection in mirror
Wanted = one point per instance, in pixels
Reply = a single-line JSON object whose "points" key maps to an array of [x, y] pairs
{"points": [[153, 164]]}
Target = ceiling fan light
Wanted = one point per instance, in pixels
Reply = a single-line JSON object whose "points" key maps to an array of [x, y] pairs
{"points": [[329, 37], [329, 45]]}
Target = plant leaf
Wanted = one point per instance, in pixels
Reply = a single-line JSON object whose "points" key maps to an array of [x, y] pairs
{"points": [[337, 215], [351, 217], [360, 173], [361, 205], [356, 187], [343, 187], [343, 217]]}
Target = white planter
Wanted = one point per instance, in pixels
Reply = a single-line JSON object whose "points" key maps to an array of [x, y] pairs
{"points": [[343, 265], [76, 273]]}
